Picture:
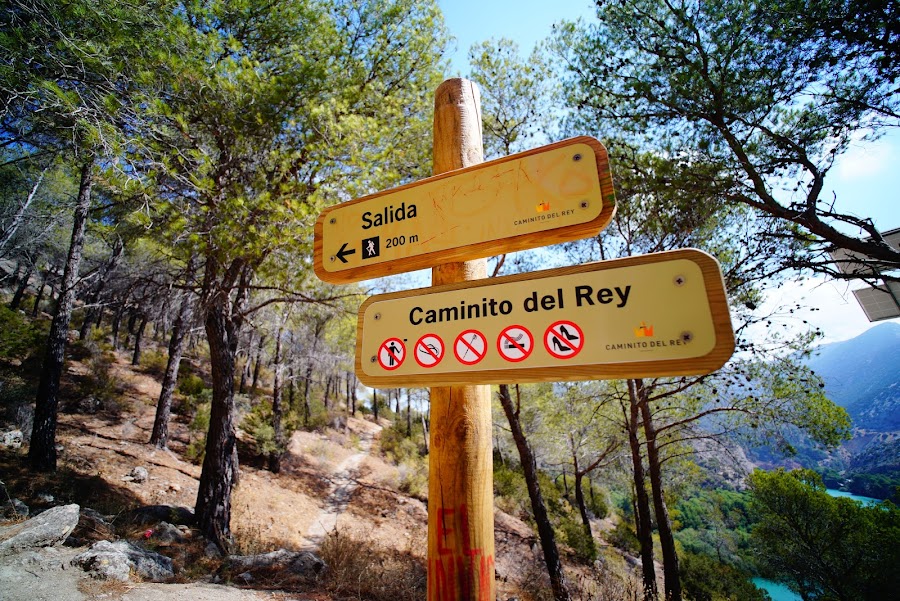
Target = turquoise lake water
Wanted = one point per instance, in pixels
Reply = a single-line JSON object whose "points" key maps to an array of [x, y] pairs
{"points": [[864, 500], [776, 590]]}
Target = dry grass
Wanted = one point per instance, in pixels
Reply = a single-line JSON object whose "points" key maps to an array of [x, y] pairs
{"points": [[104, 589], [358, 570]]}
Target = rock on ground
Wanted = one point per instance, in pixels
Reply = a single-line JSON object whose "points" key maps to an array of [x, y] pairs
{"points": [[46, 575], [116, 561], [286, 565], [44, 530]]}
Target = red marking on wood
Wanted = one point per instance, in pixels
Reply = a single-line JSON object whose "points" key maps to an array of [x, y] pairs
{"points": [[443, 531]]}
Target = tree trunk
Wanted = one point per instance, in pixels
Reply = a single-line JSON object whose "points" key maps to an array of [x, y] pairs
{"points": [[545, 528], [92, 313], [292, 384], [277, 407], [375, 404], [672, 577], [42, 450], [40, 293], [408, 415], [132, 321], [138, 339], [351, 392], [20, 289], [642, 503], [116, 323], [582, 509], [259, 351], [160, 435], [245, 371], [325, 398], [220, 463], [7, 234], [425, 433]]}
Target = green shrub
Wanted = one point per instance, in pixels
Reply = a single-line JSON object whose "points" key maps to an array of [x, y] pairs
{"points": [[19, 337], [190, 384], [571, 532], [510, 490], [705, 579], [258, 424], [198, 428], [414, 477], [624, 537], [155, 361], [396, 447], [597, 503]]}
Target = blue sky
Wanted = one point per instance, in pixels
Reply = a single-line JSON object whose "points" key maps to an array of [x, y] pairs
{"points": [[866, 181]]}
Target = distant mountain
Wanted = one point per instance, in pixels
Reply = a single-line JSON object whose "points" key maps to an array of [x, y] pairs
{"points": [[863, 376]]}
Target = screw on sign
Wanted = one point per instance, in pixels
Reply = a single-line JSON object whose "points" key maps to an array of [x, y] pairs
{"points": [[391, 353], [470, 347], [429, 350], [564, 339], [515, 343]]}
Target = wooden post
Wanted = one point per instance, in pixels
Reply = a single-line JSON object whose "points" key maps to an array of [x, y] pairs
{"points": [[460, 481]]}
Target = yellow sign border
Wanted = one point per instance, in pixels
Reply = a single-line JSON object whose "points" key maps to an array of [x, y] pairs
{"points": [[335, 272], [719, 326]]}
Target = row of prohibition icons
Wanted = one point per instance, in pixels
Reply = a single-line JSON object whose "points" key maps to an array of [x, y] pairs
{"points": [[563, 340]]}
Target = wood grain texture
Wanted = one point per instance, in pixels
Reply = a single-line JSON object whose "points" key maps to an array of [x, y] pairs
{"points": [[460, 478], [552, 235], [713, 286]]}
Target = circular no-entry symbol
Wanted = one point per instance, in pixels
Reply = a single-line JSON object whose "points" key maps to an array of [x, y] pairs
{"points": [[515, 343], [391, 353], [429, 350], [470, 347], [564, 339]]}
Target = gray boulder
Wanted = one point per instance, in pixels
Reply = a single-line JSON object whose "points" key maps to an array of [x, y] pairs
{"points": [[165, 533], [286, 566], [11, 439], [117, 561], [44, 530], [137, 474]]}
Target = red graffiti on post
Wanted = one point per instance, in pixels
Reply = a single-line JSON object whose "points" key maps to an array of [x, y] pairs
{"points": [[450, 568]]}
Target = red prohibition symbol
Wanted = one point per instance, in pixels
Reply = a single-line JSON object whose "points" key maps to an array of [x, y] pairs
{"points": [[515, 343], [429, 350], [470, 347], [564, 339], [391, 354]]}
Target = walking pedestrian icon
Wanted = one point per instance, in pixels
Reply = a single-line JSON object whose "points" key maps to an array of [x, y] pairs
{"points": [[515, 343], [371, 247], [391, 353], [564, 339]]}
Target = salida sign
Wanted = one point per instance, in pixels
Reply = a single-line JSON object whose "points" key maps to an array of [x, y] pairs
{"points": [[552, 194], [656, 315]]}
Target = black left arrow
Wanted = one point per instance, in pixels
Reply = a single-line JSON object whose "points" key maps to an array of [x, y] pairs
{"points": [[343, 252]]}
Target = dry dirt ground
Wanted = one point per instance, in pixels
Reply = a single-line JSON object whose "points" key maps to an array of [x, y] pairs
{"points": [[329, 479]]}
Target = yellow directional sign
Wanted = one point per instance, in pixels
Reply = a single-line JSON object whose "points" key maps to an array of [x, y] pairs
{"points": [[663, 314], [556, 193]]}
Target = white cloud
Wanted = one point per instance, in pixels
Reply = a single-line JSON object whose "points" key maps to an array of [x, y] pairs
{"points": [[866, 159]]}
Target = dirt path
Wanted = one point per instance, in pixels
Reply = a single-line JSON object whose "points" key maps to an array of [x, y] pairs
{"points": [[343, 484]]}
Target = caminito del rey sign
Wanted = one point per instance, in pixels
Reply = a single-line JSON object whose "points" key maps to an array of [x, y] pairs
{"points": [[663, 314]]}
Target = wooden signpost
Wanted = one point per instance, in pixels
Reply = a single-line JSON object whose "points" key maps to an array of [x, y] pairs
{"points": [[655, 315], [552, 194], [460, 462], [663, 314]]}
